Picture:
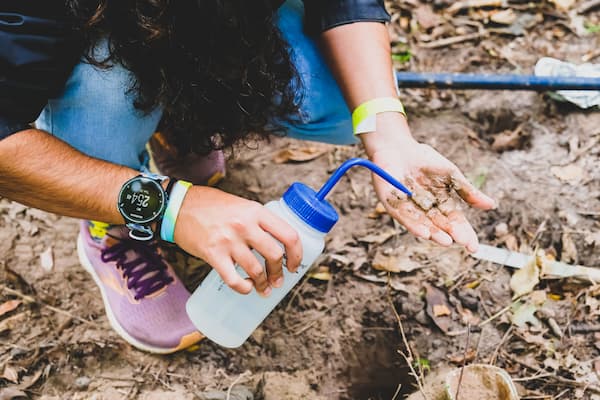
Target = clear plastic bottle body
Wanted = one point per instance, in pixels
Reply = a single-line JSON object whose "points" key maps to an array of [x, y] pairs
{"points": [[229, 318]]}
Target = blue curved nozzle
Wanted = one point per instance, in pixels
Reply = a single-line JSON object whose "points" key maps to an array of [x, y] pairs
{"points": [[331, 182]]}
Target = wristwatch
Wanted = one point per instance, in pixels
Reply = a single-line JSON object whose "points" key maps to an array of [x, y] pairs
{"points": [[142, 201]]}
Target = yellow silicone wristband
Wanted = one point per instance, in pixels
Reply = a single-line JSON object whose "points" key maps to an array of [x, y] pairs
{"points": [[364, 116]]}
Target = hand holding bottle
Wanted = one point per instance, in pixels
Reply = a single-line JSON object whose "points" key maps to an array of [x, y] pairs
{"points": [[223, 229]]}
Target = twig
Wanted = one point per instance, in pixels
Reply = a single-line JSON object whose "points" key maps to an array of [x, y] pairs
{"points": [[502, 341], [585, 328], [408, 358], [452, 40], [397, 391], [242, 375], [532, 378], [570, 382], [560, 394], [462, 368], [587, 6], [30, 299], [493, 317]]}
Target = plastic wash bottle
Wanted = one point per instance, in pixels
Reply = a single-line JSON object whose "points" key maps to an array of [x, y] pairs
{"points": [[229, 318]]}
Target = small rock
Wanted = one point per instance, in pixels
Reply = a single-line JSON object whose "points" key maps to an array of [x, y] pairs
{"points": [[421, 318], [501, 230], [82, 383], [238, 392], [278, 345]]}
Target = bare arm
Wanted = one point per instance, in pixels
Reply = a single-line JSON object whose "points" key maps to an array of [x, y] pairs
{"points": [[41, 171]]}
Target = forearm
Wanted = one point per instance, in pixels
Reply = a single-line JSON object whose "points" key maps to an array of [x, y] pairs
{"points": [[41, 171], [359, 55]]}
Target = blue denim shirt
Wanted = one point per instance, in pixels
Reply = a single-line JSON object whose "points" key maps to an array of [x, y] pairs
{"points": [[38, 49]]}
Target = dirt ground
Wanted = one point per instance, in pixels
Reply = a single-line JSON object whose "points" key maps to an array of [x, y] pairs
{"points": [[336, 336]]}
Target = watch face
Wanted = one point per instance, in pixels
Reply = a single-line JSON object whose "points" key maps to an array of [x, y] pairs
{"points": [[141, 200]]}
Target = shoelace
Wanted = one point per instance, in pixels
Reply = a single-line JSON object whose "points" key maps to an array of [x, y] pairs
{"points": [[146, 271]]}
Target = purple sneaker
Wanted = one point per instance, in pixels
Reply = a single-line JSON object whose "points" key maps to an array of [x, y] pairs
{"points": [[143, 298], [200, 170]]}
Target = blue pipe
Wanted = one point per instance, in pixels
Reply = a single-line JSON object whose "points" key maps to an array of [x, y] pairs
{"points": [[337, 175], [495, 82]]}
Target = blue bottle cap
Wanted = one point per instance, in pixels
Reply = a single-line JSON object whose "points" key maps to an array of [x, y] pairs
{"points": [[303, 201]]}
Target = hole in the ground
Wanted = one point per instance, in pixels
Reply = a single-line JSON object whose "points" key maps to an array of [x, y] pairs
{"points": [[377, 368]]}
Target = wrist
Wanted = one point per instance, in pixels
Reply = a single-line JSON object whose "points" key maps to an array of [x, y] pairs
{"points": [[392, 132]]}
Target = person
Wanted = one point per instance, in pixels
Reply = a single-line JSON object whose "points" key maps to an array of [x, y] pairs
{"points": [[99, 77]]}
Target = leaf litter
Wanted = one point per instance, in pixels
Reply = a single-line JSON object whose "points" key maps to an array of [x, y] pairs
{"points": [[350, 353]]}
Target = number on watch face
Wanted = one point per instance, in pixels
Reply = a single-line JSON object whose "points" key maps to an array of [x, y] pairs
{"points": [[141, 200]]}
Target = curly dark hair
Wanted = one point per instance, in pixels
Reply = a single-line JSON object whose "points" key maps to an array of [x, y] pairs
{"points": [[219, 68]]}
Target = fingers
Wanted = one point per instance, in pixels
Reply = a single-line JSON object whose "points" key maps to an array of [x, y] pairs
{"points": [[286, 235], [470, 193], [456, 225], [246, 259], [225, 266], [417, 222], [273, 254]]}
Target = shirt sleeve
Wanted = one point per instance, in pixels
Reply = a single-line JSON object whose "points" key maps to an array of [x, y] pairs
{"points": [[38, 49], [321, 15]]}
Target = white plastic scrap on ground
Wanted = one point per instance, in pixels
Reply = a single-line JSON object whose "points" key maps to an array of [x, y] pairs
{"points": [[548, 66]]}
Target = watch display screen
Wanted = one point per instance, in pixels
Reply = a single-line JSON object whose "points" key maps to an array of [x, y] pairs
{"points": [[141, 200]]}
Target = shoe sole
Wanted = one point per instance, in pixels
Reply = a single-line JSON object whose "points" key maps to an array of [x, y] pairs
{"points": [[87, 265]]}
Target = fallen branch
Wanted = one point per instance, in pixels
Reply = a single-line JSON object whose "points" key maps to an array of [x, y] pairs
{"points": [[452, 40]]}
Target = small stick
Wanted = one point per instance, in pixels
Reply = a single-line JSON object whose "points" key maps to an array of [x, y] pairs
{"points": [[242, 375], [452, 40], [493, 317], [30, 299], [462, 368], [502, 341], [558, 378], [408, 360], [397, 391]]}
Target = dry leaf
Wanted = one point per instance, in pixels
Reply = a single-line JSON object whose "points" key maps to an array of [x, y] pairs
{"points": [[436, 300], [569, 250], [463, 357], [378, 212], [563, 5], [378, 238], [509, 140], [439, 310], [321, 273], [571, 174], [592, 238], [10, 374], [425, 16], [11, 393], [459, 5], [467, 317], [47, 260], [523, 314], [393, 263], [504, 17], [8, 306], [298, 155], [511, 242], [525, 279]]}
